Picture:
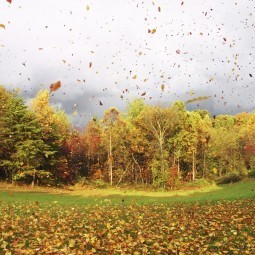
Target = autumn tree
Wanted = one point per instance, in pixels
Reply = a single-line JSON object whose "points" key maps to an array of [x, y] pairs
{"points": [[56, 129], [157, 123], [23, 150]]}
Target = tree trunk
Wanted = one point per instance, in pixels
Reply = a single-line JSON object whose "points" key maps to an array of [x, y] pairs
{"points": [[204, 165], [193, 165], [33, 180], [141, 175], [110, 157]]}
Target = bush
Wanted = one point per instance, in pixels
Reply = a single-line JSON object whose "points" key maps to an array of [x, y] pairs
{"points": [[229, 178], [251, 173]]}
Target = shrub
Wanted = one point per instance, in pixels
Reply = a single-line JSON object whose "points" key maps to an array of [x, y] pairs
{"points": [[229, 178]]}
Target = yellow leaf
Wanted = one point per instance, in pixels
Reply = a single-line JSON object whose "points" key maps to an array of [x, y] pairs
{"points": [[153, 30], [108, 225], [2, 26], [87, 7]]}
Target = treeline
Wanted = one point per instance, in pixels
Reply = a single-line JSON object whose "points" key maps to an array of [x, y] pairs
{"points": [[146, 144]]}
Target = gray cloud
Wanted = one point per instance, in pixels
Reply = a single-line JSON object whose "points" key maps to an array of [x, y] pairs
{"points": [[45, 41]]}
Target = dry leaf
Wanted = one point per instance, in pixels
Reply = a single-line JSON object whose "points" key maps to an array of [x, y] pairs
{"points": [[2, 26], [153, 31], [55, 86], [197, 99]]}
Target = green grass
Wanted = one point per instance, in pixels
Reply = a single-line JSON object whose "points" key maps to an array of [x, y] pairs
{"points": [[245, 189]]}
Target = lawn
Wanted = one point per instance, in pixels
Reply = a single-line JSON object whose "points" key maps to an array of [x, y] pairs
{"points": [[216, 220]]}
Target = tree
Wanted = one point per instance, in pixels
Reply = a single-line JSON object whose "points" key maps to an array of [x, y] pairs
{"points": [[23, 150], [157, 124], [56, 130], [110, 119]]}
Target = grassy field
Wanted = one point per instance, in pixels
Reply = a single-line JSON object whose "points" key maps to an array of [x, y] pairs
{"points": [[92, 196], [215, 220]]}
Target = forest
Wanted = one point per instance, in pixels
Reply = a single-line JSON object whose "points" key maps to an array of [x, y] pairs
{"points": [[153, 145]]}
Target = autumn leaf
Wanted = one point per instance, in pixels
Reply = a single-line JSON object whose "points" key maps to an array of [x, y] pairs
{"points": [[55, 86], [9, 1], [87, 7], [134, 77], [153, 31], [2, 26], [197, 99]]}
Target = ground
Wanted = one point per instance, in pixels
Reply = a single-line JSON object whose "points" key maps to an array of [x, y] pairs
{"points": [[215, 220]]}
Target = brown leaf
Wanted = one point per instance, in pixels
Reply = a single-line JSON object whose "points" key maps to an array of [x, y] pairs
{"points": [[9, 1], [143, 94], [197, 99], [55, 86], [153, 31], [2, 26]]}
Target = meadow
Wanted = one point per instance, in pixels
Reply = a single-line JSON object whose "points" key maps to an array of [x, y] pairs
{"points": [[212, 220]]}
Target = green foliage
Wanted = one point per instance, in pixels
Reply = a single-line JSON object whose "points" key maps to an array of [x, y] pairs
{"points": [[229, 178], [24, 150]]}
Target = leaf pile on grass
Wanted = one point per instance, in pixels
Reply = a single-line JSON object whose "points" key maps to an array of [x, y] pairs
{"points": [[219, 228]]}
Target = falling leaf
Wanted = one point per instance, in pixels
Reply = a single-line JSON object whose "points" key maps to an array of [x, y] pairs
{"points": [[134, 77], [250, 75], [197, 99], [55, 86], [100, 103], [143, 94], [2, 26], [40, 49], [75, 113], [182, 3], [90, 64], [9, 1], [159, 9], [178, 51], [225, 39], [162, 87], [153, 31], [87, 7]]}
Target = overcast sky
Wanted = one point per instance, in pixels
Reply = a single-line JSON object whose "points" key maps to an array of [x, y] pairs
{"points": [[111, 51]]}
